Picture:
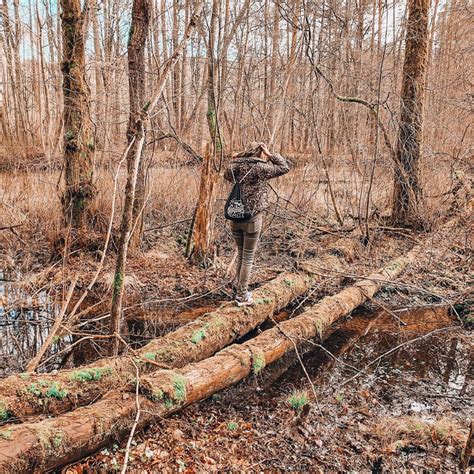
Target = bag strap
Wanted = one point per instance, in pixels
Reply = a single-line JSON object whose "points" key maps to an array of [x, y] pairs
{"points": [[246, 174]]}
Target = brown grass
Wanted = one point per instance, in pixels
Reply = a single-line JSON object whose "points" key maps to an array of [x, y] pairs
{"points": [[302, 202], [398, 432]]}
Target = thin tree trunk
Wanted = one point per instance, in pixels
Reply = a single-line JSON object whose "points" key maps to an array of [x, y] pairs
{"points": [[136, 81], [204, 221], [133, 166]]}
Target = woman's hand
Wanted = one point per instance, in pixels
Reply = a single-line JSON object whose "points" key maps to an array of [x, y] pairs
{"points": [[265, 150]]}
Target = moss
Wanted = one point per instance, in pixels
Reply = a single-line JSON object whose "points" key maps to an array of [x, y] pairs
{"points": [[33, 389], [43, 383], [288, 282], [199, 335], [217, 322], [232, 426], [24, 376], [7, 434], [258, 362], [298, 399], [88, 375], [263, 300], [54, 391], [168, 403], [157, 396], [318, 324], [150, 356], [5, 414], [118, 283], [179, 385], [57, 439]]}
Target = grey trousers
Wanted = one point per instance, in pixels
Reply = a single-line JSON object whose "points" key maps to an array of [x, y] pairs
{"points": [[246, 235]]}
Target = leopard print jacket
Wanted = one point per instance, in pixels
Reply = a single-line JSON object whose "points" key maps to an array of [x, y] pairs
{"points": [[253, 173]]}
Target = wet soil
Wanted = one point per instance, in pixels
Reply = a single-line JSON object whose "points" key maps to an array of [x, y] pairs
{"points": [[385, 391]]}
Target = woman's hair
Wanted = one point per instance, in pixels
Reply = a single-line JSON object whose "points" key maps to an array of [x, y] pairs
{"points": [[253, 149]]}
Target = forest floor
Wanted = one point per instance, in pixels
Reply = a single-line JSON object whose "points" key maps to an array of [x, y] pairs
{"points": [[377, 395]]}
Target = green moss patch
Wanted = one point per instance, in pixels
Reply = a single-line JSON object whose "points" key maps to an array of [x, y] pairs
{"points": [[172, 393], [263, 301], [45, 389], [91, 374], [200, 334], [54, 391], [5, 414], [258, 361], [7, 434], [288, 282]]}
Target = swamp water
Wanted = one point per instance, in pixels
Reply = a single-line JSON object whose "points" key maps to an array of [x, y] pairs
{"points": [[25, 321], [417, 362]]}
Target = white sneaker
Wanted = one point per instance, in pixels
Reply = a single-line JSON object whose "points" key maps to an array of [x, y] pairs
{"points": [[245, 300]]}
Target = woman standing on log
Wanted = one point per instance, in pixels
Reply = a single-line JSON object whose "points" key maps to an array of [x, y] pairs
{"points": [[249, 172]]}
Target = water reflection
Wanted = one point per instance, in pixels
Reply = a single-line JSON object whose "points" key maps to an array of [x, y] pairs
{"points": [[25, 321], [433, 359]]}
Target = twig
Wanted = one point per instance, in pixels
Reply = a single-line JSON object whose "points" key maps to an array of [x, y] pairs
{"points": [[313, 388], [137, 417], [168, 225], [394, 349], [73, 316], [31, 367]]}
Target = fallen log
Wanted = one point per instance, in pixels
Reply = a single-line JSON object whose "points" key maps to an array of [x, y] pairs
{"points": [[55, 442], [28, 394]]}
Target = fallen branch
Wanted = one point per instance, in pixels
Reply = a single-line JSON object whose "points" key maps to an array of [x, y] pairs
{"points": [[31, 367]]}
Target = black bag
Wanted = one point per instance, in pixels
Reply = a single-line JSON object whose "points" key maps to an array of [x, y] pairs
{"points": [[235, 208]]}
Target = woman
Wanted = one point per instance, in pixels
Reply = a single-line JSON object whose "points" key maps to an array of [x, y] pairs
{"points": [[252, 169]]}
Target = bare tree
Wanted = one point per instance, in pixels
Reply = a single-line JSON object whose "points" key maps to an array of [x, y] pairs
{"points": [[407, 190], [204, 218], [78, 137], [138, 141]]}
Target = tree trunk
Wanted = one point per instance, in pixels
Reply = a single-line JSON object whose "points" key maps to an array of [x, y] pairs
{"points": [[407, 190], [78, 137], [55, 442], [204, 221], [138, 141], [193, 342], [136, 84]]}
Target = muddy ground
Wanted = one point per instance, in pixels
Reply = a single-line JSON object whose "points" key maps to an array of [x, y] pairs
{"points": [[377, 395], [353, 403]]}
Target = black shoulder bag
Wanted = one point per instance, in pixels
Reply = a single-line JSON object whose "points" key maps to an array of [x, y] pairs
{"points": [[235, 208]]}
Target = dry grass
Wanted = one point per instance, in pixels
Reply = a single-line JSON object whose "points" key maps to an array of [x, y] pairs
{"points": [[302, 202], [397, 433]]}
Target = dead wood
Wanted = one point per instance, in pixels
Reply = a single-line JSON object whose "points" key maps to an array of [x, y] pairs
{"points": [[26, 394], [55, 442]]}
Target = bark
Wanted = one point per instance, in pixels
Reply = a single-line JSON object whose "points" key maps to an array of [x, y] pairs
{"points": [[55, 442], [78, 136], [26, 394], [136, 81], [204, 220], [407, 190]]}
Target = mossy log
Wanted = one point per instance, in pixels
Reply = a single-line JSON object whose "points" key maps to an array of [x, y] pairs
{"points": [[28, 394], [54, 442]]}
